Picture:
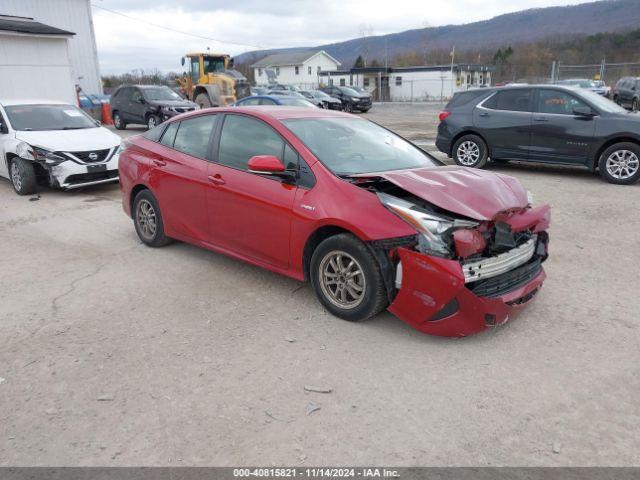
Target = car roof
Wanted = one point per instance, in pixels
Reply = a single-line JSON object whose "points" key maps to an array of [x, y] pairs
{"points": [[269, 112], [30, 101]]}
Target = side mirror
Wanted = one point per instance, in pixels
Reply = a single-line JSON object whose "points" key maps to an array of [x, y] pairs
{"points": [[141, 100], [266, 165], [3, 128], [583, 112]]}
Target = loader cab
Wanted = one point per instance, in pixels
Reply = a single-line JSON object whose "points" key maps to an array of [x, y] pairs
{"points": [[200, 65]]}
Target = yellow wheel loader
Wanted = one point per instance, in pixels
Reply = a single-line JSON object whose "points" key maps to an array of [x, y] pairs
{"points": [[211, 80]]}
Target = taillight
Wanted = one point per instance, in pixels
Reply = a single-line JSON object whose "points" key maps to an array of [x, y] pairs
{"points": [[443, 115]]}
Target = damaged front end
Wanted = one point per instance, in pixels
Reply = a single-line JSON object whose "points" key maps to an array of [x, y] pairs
{"points": [[459, 275]]}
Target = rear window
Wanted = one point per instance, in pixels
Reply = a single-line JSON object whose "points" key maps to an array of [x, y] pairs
{"points": [[462, 98], [516, 100]]}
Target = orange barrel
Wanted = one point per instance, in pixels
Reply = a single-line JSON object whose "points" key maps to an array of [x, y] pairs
{"points": [[106, 114]]}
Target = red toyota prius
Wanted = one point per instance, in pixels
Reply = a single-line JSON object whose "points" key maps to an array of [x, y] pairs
{"points": [[368, 218]]}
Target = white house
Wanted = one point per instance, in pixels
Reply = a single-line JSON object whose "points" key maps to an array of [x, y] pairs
{"points": [[34, 60], [404, 84], [301, 69], [72, 16]]}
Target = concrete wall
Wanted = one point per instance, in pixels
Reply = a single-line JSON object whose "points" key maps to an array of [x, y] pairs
{"points": [[36, 67], [71, 15]]}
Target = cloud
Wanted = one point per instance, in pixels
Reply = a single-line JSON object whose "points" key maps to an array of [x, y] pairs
{"points": [[125, 44]]}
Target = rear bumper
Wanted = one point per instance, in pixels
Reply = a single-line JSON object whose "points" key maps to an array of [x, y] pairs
{"points": [[434, 298]]}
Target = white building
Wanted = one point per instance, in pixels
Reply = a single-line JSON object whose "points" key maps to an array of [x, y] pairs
{"points": [[72, 16], [34, 61], [405, 84], [301, 69]]}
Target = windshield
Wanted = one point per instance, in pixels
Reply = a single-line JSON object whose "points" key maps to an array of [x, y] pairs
{"points": [[602, 103], [579, 83], [213, 64], [349, 91], [320, 95], [48, 117], [296, 102], [348, 146], [155, 94]]}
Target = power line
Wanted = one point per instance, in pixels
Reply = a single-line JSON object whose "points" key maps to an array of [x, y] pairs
{"points": [[173, 29]]}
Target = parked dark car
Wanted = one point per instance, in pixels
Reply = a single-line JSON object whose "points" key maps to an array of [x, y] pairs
{"points": [[352, 101], [148, 105], [294, 94], [549, 124], [626, 93], [287, 100], [322, 99]]}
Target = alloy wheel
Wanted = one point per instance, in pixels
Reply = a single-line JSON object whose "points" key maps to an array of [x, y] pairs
{"points": [[468, 153], [146, 218], [342, 279], [151, 122], [117, 121], [16, 178], [622, 164]]}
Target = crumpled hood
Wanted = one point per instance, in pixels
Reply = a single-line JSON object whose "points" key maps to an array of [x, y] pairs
{"points": [[80, 140], [470, 192], [172, 103]]}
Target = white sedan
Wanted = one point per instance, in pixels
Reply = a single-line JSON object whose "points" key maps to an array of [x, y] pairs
{"points": [[54, 144]]}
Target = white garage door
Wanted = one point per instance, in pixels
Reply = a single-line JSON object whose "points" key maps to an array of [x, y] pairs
{"points": [[35, 67]]}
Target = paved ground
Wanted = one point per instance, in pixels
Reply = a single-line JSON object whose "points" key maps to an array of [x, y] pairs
{"points": [[112, 353]]}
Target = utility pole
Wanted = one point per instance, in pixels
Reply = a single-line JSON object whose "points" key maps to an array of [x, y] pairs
{"points": [[453, 54]]}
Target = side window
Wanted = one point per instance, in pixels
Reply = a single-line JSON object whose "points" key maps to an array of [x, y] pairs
{"points": [[194, 134], [515, 100], [243, 137], [170, 134], [557, 102], [155, 133], [290, 158], [266, 101], [136, 95]]}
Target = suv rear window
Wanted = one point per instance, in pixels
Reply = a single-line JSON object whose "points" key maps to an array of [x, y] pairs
{"points": [[513, 100], [462, 98]]}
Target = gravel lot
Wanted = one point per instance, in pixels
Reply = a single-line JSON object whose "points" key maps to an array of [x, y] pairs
{"points": [[112, 353]]}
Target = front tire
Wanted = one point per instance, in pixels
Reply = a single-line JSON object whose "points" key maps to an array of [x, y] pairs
{"points": [[347, 279], [118, 122], [147, 219], [620, 163], [23, 176], [153, 121], [634, 105], [470, 151]]}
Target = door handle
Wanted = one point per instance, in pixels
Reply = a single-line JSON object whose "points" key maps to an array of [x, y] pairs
{"points": [[159, 163], [484, 114], [216, 179], [540, 119]]}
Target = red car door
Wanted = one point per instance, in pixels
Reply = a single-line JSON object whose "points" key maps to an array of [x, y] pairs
{"points": [[249, 214], [179, 176]]}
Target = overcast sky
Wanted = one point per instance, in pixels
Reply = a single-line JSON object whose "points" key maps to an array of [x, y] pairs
{"points": [[125, 44]]}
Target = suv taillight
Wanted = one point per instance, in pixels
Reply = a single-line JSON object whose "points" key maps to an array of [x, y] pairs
{"points": [[443, 115]]}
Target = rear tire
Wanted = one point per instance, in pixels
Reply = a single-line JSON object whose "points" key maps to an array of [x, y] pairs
{"points": [[147, 219], [470, 151], [203, 101], [23, 176], [118, 122], [346, 278], [620, 163]]}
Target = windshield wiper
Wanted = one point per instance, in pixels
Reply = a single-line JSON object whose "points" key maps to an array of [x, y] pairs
{"points": [[74, 128]]}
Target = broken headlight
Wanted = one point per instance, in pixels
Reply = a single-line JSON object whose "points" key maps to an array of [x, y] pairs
{"points": [[26, 151], [434, 229]]}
